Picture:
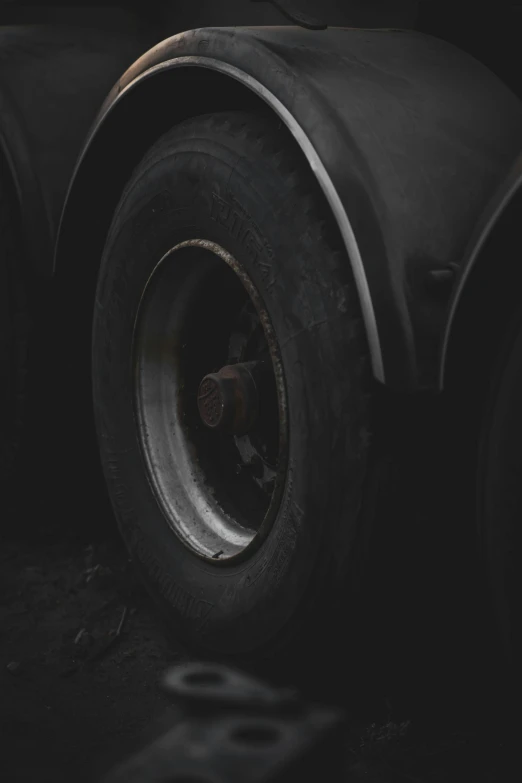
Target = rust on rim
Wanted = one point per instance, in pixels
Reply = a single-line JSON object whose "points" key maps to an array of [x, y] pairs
{"points": [[214, 441]]}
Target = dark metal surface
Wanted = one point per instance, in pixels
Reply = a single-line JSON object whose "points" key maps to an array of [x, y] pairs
{"points": [[215, 684], [52, 82], [408, 138], [233, 727]]}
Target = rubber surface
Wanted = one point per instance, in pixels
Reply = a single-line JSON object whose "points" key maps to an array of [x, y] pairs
{"points": [[500, 500], [53, 79], [14, 334], [298, 577]]}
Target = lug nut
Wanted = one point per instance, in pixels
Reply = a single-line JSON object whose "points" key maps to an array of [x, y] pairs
{"points": [[228, 400]]}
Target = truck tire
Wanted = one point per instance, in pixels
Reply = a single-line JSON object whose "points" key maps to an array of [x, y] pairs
{"points": [[499, 493], [14, 331], [232, 389]]}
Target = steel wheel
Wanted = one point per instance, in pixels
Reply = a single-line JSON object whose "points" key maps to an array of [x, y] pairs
{"points": [[210, 401]]}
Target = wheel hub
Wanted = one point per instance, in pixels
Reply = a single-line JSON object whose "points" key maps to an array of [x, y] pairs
{"points": [[228, 400]]}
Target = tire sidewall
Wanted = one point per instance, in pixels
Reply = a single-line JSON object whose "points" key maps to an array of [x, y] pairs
{"points": [[204, 192]]}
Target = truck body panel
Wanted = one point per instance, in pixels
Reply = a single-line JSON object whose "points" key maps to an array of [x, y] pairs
{"points": [[414, 135], [53, 80]]}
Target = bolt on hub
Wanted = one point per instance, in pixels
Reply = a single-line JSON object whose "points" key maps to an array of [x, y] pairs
{"points": [[228, 401]]}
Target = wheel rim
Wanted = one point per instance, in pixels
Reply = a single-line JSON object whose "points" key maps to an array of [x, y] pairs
{"points": [[210, 401]]}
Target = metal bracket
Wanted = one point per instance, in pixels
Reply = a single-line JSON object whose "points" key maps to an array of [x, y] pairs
{"points": [[233, 728]]}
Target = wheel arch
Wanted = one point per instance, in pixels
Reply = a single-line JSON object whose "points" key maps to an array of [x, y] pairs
{"points": [[217, 86], [405, 165]]}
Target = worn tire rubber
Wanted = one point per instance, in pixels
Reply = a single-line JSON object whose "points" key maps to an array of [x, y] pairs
{"points": [[499, 501], [14, 334], [305, 575]]}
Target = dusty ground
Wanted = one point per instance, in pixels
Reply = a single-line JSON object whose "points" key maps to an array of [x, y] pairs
{"points": [[82, 652], [75, 693]]}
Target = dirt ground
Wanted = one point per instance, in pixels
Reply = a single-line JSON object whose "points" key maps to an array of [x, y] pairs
{"points": [[82, 651], [82, 654]]}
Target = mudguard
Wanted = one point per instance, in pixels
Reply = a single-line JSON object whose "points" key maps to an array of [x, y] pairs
{"points": [[408, 138], [53, 80], [482, 269]]}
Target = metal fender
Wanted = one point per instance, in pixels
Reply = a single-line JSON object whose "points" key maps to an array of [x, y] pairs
{"points": [[52, 82], [407, 136]]}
